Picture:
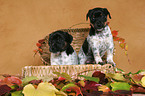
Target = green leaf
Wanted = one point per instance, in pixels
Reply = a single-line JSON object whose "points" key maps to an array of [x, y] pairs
{"points": [[116, 76], [72, 87], [120, 86], [64, 75], [120, 70], [141, 72], [17, 93], [96, 79], [26, 80], [57, 73]]}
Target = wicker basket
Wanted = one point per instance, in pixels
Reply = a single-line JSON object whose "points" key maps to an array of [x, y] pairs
{"points": [[79, 35]]}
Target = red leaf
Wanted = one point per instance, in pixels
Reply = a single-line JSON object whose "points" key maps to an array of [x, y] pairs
{"points": [[41, 41], [40, 50], [35, 82], [114, 33], [61, 78], [4, 89], [12, 80], [116, 38], [38, 44]]}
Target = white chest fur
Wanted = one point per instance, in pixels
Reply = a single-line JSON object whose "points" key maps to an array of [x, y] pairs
{"points": [[64, 59], [102, 41]]}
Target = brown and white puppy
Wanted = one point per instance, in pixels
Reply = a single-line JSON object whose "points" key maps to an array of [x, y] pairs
{"points": [[99, 40]]}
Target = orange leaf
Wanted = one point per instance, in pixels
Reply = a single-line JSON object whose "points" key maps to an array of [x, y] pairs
{"points": [[114, 33], [116, 38], [12, 80], [122, 45], [121, 40], [40, 50], [38, 44]]}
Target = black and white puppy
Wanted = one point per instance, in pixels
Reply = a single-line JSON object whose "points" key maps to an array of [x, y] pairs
{"points": [[62, 52], [99, 40]]}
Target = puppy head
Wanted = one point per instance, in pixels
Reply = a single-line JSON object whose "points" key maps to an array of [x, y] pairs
{"points": [[58, 41], [98, 17]]}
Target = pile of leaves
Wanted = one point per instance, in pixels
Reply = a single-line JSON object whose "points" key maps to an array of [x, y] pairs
{"points": [[95, 83]]}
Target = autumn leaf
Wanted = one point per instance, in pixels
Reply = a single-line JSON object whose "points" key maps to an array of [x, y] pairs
{"points": [[43, 89], [72, 87], [120, 86], [103, 88], [114, 33], [121, 40], [116, 38], [26, 80], [17, 93], [96, 79], [4, 89], [143, 81], [38, 44], [41, 41], [11, 81], [64, 75], [116, 76], [122, 45]]}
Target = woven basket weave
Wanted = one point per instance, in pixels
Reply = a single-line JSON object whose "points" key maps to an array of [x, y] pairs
{"points": [[79, 35]]}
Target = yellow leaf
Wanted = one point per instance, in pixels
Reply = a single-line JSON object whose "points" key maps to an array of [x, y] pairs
{"points": [[143, 81], [43, 89]]}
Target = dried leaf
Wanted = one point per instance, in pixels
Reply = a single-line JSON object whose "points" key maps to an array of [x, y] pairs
{"points": [[116, 38], [114, 33], [72, 87], [4, 89], [43, 89], [12, 81], [122, 45], [121, 40], [38, 44], [126, 47]]}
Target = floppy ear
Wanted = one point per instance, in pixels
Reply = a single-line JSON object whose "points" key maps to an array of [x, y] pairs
{"points": [[68, 38], [88, 14], [107, 12]]}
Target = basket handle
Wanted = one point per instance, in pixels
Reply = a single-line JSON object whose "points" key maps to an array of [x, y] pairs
{"points": [[77, 24]]}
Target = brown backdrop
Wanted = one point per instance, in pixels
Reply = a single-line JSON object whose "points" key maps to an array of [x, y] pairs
{"points": [[23, 22]]}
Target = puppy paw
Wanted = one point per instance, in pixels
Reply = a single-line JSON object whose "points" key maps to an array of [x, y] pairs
{"points": [[89, 62], [101, 63]]}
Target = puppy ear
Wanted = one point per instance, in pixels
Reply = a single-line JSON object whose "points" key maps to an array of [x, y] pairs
{"points": [[107, 12], [88, 14], [68, 37]]}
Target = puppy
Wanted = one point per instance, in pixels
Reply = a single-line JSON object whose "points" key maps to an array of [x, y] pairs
{"points": [[62, 52], [99, 40]]}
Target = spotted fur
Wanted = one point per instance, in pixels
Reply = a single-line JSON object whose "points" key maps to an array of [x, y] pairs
{"points": [[62, 53], [98, 44]]}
